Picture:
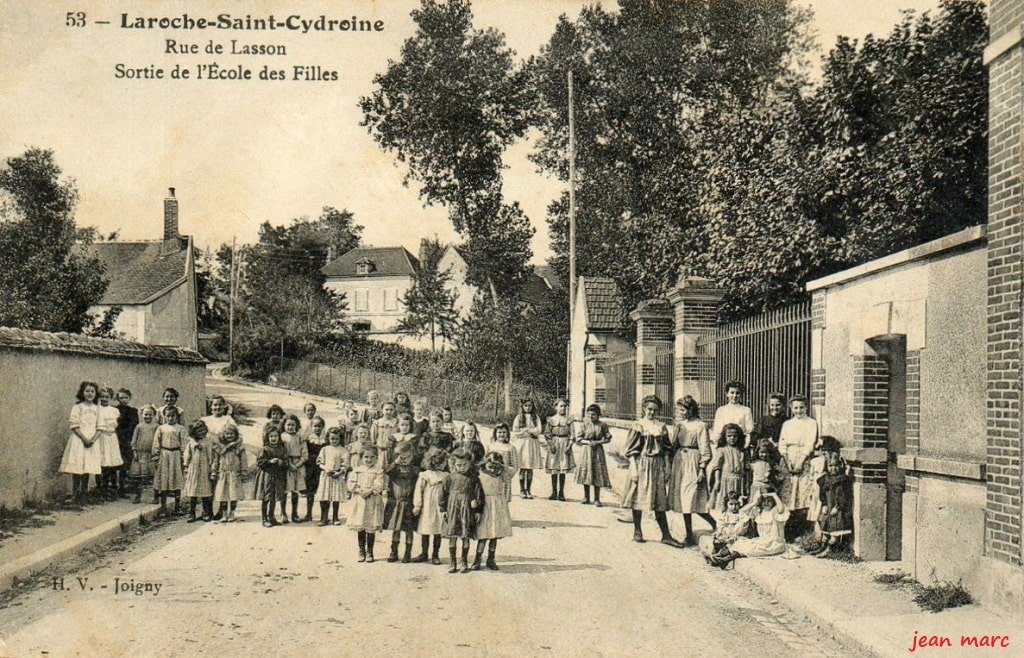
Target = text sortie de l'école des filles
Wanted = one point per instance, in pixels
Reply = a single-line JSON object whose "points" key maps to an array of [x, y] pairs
{"points": [[293, 22]]}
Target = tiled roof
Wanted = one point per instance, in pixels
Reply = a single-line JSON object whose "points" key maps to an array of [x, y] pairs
{"points": [[136, 271], [44, 341], [387, 261], [604, 306], [534, 290]]}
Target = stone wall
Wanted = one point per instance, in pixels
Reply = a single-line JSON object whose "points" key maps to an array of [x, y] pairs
{"points": [[41, 374]]}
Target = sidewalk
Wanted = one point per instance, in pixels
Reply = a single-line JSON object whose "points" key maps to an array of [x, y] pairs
{"points": [[844, 600], [53, 536]]}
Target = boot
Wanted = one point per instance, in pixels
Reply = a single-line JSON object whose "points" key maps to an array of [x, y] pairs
{"points": [[394, 552], [334, 513], [491, 564], [638, 535], [435, 558], [407, 557], [554, 488], [207, 508], [323, 514], [362, 546], [478, 559], [453, 567], [370, 539], [464, 563], [424, 549], [586, 495], [221, 514], [309, 510], [561, 487], [191, 511], [666, 536]]}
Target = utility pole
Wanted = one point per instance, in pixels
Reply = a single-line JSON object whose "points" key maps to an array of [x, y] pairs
{"points": [[572, 200], [231, 306], [572, 234]]}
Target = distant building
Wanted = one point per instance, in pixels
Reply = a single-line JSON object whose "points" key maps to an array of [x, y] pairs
{"points": [[374, 281], [154, 283], [593, 336]]}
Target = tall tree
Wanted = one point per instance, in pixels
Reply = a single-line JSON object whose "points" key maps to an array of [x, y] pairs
{"points": [[651, 81], [430, 301], [49, 280], [448, 108]]}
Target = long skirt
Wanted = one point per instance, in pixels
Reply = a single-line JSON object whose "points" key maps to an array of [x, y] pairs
{"points": [[313, 478], [197, 482], [758, 547], [169, 476], [686, 494], [529, 452], [268, 487], [366, 513], [142, 466], [495, 521], [803, 491], [593, 469], [110, 450], [559, 458], [229, 488], [836, 525], [459, 521], [79, 460], [331, 489], [646, 489], [730, 483], [398, 515]]}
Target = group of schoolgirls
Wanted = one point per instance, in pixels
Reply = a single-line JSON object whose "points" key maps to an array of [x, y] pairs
{"points": [[396, 468], [777, 476], [154, 450]]}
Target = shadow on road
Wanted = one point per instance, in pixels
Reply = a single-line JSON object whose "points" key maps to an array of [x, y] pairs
{"points": [[551, 568], [522, 523]]}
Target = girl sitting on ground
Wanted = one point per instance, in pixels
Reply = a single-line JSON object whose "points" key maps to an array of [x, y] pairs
{"points": [[731, 527], [769, 516]]}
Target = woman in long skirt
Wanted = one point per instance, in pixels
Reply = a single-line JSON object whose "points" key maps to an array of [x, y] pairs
{"points": [[647, 449], [688, 487]]}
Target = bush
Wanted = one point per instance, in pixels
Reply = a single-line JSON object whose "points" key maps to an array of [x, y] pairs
{"points": [[942, 595]]}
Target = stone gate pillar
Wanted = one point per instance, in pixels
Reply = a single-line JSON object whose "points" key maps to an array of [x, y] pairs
{"points": [[653, 336], [1005, 59], [695, 301]]}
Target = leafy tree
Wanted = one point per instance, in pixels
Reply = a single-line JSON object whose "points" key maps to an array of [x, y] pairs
{"points": [[448, 108], [430, 303], [887, 152], [651, 82], [49, 281]]}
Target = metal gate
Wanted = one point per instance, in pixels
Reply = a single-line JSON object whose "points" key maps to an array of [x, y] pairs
{"points": [[620, 386], [769, 353]]}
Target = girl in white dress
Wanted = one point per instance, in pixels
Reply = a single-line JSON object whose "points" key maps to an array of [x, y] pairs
{"points": [[732, 411], [500, 444], [366, 484], [797, 441], [298, 454], [526, 432], [229, 460], [332, 460], [81, 452], [426, 504], [110, 450], [219, 419], [769, 516], [495, 520]]}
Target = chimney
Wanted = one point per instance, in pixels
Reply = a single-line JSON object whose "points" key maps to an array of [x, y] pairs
{"points": [[172, 239], [422, 255], [330, 255], [170, 216]]}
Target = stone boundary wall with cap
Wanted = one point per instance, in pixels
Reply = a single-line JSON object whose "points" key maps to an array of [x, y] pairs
{"points": [[41, 372]]}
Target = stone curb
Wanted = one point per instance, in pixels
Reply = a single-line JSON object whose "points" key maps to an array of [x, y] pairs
{"points": [[20, 570]]}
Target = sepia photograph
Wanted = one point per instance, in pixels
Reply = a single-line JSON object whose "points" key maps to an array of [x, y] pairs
{"points": [[512, 328]]}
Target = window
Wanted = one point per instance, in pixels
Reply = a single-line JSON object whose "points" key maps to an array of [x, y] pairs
{"points": [[364, 266], [391, 299], [362, 325], [362, 299]]}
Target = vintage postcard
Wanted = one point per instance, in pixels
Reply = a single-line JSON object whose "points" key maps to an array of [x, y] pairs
{"points": [[511, 328]]}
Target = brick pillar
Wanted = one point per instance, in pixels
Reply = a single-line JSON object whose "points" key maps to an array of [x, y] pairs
{"points": [[1005, 60], [653, 336], [817, 392], [695, 301], [595, 356], [869, 454]]}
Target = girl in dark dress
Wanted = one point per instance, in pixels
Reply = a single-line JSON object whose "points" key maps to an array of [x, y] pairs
{"points": [[835, 518], [316, 439], [126, 423], [272, 476], [461, 504], [398, 512]]}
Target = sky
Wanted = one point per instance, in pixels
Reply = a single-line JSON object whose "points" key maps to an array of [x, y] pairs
{"points": [[243, 152]]}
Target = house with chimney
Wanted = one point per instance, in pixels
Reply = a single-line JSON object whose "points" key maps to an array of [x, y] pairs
{"points": [[153, 282]]}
